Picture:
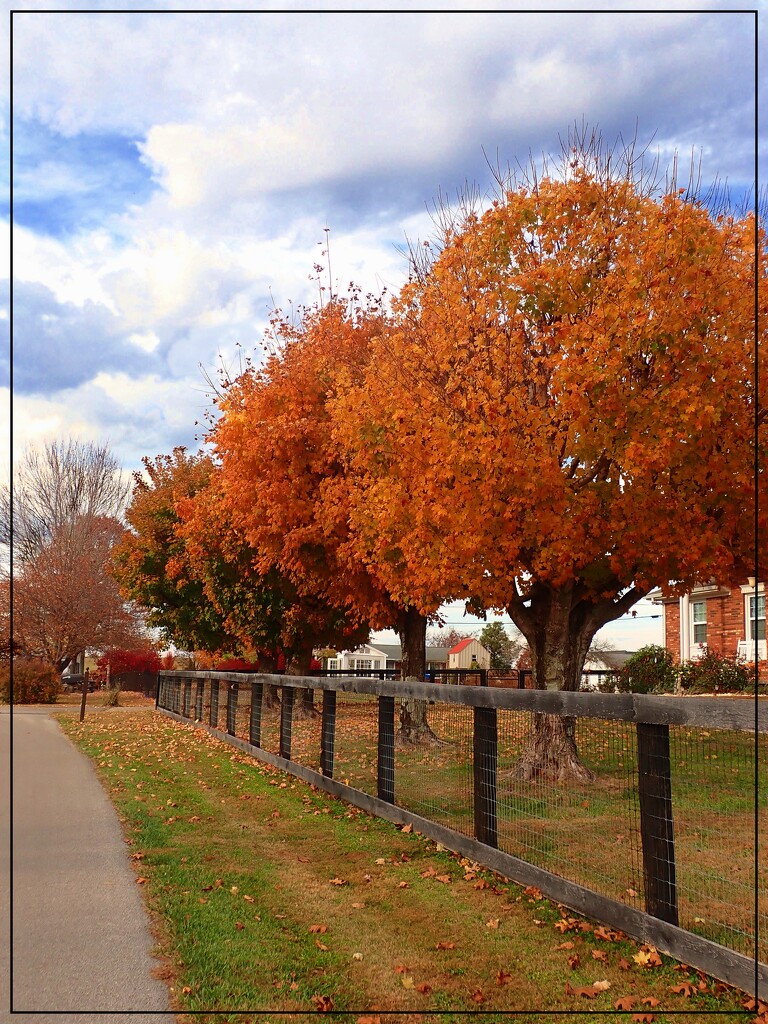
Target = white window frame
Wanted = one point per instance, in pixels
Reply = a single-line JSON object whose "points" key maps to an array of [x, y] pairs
{"points": [[698, 644]]}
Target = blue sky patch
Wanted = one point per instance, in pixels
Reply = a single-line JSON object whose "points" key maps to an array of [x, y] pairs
{"points": [[65, 185]]}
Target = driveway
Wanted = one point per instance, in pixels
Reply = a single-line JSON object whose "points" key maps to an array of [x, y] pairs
{"points": [[80, 939]]}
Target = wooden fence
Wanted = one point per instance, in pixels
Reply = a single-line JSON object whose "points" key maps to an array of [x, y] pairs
{"points": [[181, 695]]}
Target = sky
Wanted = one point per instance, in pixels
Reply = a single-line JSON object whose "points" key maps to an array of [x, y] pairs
{"points": [[174, 175]]}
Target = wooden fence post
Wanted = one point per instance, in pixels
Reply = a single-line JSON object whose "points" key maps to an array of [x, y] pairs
{"points": [[213, 715], [656, 827], [233, 692], [385, 768], [257, 699], [328, 733], [286, 721], [199, 700], [485, 750]]}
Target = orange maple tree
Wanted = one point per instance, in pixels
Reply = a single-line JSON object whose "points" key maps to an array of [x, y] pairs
{"points": [[285, 485], [561, 416]]}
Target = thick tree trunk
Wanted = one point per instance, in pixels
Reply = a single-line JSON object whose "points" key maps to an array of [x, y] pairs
{"points": [[559, 632], [298, 665], [267, 663], [414, 726]]}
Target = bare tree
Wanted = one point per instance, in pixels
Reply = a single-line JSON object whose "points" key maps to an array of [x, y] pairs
{"points": [[61, 522], [56, 488]]}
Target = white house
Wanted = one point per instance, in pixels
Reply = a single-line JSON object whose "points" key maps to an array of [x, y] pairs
{"points": [[382, 656], [469, 653]]}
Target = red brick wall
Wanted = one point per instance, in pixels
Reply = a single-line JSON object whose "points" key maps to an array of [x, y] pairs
{"points": [[725, 624], [672, 629]]}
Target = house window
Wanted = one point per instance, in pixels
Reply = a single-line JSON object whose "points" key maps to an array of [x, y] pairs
{"points": [[332, 665], [699, 613], [757, 617], [362, 663]]}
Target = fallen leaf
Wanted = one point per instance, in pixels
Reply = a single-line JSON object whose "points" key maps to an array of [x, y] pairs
{"points": [[588, 991], [643, 1018], [324, 1004], [407, 828], [357, 956], [358, 906], [338, 881], [533, 891], [502, 977], [605, 934], [321, 945], [186, 990], [239, 925], [424, 988], [651, 1001], [401, 969], [445, 879], [141, 880], [625, 1003], [318, 929], [380, 860], [599, 954], [249, 899], [565, 945], [574, 961], [492, 923], [403, 885], [429, 873], [631, 892], [477, 996], [623, 964], [406, 981], [601, 986], [138, 856], [369, 1020], [445, 945], [686, 989]]}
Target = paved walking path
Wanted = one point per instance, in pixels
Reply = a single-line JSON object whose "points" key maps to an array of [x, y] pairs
{"points": [[80, 937]]}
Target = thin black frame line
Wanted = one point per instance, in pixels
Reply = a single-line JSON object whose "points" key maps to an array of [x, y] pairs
{"points": [[410, 11], [755, 13]]}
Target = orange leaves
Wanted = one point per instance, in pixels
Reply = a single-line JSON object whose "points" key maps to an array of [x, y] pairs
{"points": [[323, 1004]]}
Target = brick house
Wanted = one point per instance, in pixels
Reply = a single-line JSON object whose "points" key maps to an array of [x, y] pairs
{"points": [[726, 620]]}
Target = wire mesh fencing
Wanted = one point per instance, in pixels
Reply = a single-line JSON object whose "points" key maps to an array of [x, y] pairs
{"points": [[641, 804]]}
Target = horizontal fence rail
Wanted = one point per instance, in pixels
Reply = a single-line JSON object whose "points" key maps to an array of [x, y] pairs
{"points": [[662, 844]]}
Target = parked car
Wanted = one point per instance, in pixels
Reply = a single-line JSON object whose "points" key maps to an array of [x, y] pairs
{"points": [[74, 683]]}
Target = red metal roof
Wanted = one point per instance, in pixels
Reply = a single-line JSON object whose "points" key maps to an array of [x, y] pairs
{"points": [[461, 645]]}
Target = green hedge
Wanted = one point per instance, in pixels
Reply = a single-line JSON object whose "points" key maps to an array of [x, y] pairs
{"points": [[652, 670]]}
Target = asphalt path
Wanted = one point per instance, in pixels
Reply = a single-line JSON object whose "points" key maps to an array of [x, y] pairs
{"points": [[79, 934]]}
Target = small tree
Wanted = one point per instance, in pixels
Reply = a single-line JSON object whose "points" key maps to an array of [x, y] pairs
{"points": [[503, 648]]}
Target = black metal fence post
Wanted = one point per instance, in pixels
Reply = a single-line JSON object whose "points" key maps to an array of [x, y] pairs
{"points": [[213, 714], [328, 733], [257, 700], [485, 748], [286, 721], [233, 692], [656, 826], [385, 769]]}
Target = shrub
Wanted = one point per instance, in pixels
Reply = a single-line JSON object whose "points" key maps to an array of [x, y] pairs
{"points": [[33, 682], [649, 670], [714, 673]]}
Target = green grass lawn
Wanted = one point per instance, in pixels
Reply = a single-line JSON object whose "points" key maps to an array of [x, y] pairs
{"points": [[268, 895]]}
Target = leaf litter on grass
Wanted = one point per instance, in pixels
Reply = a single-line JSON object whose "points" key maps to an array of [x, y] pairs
{"points": [[302, 871]]}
